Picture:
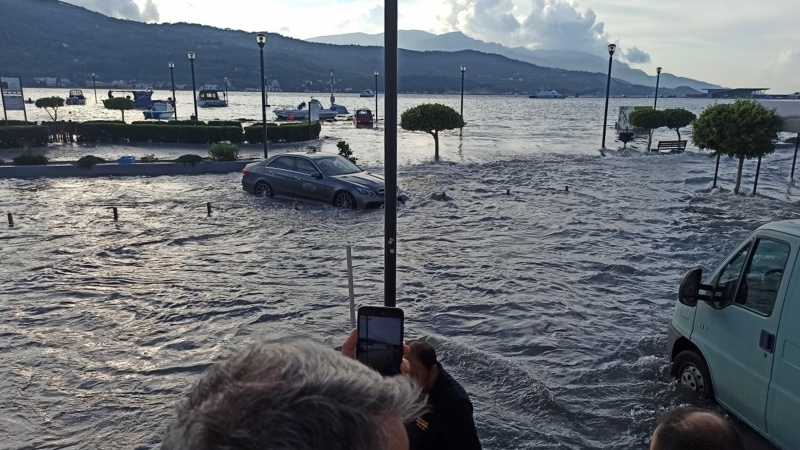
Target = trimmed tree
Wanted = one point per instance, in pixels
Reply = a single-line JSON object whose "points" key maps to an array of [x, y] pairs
{"points": [[677, 118], [120, 104], [431, 118], [649, 119], [744, 129], [49, 103]]}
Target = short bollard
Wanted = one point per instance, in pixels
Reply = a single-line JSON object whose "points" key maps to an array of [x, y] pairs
{"points": [[10, 220], [116, 213], [296, 205], [508, 191], [208, 207]]}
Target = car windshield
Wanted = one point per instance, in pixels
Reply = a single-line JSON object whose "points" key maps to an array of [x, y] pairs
{"points": [[337, 165]]}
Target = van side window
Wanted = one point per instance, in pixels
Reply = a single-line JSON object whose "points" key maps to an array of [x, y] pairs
{"points": [[729, 278], [763, 276]]}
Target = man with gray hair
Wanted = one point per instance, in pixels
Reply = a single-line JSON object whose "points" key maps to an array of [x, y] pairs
{"points": [[298, 396]]}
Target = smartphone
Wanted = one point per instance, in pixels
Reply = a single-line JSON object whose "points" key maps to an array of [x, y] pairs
{"points": [[380, 338]]}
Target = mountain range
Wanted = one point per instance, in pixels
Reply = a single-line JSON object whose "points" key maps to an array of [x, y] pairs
{"points": [[559, 59], [49, 38]]}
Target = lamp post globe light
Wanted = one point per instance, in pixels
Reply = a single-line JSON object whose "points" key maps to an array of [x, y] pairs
{"points": [[611, 49], [376, 96], [261, 40], [94, 84], [174, 99], [658, 79], [194, 86], [463, 69]]}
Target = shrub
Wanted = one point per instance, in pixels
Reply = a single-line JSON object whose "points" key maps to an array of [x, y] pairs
{"points": [[291, 132], [224, 151], [30, 159], [119, 104], [224, 123], [16, 123], [86, 162], [189, 158], [49, 103], [21, 136], [148, 158], [791, 140], [431, 118], [344, 150], [151, 132]]}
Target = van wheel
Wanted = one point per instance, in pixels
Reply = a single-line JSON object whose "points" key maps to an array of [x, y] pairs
{"points": [[692, 372]]}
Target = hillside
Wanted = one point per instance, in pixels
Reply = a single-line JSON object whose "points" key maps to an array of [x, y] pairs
{"points": [[41, 38], [560, 59]]}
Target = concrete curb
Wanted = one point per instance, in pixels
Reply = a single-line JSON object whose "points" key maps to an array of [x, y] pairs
{"points": [[125, 170]]}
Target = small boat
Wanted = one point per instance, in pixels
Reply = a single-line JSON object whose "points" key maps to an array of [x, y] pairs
{"points": [[363, 118], [547, 93], [161, 110], [301, 112], [368, 93], [141, 99], [209, 98], [76, 98]]}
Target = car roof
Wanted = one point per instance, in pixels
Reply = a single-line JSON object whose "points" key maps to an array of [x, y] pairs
{"points": [[311, 155], [791, 227]]}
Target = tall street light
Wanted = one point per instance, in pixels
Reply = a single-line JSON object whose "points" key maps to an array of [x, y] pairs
{"points": [[376, 96], [658, 79], [261, 39], [463, 69], [194, 86], [94, 84], [226, 90], [174, 99], [611, 49]]}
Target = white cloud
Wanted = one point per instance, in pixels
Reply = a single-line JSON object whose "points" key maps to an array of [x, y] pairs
{"points": [[636, 56], [122, 9]]}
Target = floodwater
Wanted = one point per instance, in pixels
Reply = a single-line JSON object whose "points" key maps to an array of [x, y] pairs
{"points": [[550, 306]]}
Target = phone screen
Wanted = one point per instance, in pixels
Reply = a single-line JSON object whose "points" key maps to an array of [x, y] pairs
{"points": [[380, 340]]}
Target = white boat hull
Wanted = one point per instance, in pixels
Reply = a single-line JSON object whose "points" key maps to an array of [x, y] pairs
{"points": [[158, 115], [212, 103]]}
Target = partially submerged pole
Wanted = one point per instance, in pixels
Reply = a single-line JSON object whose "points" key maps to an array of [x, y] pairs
{"points": [[10, 220], [794, 160], [758, 171], [116, 213], [716, 171], [350, 287], [390, 153]]}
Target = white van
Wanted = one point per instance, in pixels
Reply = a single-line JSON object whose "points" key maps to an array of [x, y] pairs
{"points": [[736, 337]]}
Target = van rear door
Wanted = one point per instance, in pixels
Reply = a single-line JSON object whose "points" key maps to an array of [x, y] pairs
{"points": [[739, 340], [783, 407]]}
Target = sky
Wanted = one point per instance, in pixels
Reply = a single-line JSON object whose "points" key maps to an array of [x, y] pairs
{"points": [[735, 43]]}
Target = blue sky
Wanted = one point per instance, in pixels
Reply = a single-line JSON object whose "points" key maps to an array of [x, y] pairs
{"points": [[730, 42]]}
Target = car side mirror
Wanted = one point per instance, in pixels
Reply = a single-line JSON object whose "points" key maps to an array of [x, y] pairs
{"points": [[691, 285], [316, 175]]}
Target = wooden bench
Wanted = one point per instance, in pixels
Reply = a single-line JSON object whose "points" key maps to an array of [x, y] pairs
{"points": [[671, 146]]}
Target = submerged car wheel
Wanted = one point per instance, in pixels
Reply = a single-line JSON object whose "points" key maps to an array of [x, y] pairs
{"points": [[692, 372], [263, 189], [344, 200]]}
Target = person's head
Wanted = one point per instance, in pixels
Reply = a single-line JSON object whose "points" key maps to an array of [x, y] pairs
{"points": [[695, 428], [424, 367], [294, 395]]}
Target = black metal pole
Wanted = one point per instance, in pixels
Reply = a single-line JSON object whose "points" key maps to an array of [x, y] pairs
{"points": [[194, 92], [390, 153], [94, 84], [796, 145], [5, 113], [376, 98], [608, 88], [716, 171], [758, 171], [263, 103], [658, 79], [174, 99], [462, 94]]}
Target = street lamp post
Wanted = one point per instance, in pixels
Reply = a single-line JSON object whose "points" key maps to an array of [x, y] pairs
{"points": [[611, 49], [463, 69], [261, 39], [194, 86], [94, 84], [226, 90], [376, 96], [658, 79], [174, 99]]}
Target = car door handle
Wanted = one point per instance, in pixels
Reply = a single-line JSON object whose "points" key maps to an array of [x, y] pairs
{"points": [[767, 341]]}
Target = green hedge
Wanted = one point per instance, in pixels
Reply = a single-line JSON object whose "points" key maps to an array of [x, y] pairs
{"points": [[21, 136], [293, 132], [86, 162], [193, 123], [30, 159], [16, 123], [112, 132]]}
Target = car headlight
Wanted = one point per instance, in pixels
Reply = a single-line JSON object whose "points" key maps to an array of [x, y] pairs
{"points": [[363, 191]]}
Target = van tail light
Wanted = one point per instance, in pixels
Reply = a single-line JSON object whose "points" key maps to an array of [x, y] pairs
{"points": [[245, 171]]}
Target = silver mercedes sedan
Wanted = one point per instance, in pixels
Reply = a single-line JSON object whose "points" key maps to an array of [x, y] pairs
{"points": [[321, 177]]}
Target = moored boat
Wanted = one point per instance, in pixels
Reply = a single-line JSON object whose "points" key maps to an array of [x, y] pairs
{"points": [[209, 98], [368, 93], [161, 110], [547, 93], [75, 98]]}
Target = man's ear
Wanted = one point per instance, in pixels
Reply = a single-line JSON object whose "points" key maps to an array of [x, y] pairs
{"points": [[435, 370]]}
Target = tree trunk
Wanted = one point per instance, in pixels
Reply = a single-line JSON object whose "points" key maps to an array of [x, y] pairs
{"points": [[679, 134], [436, 140], [739, 175], [123, 115], [649, 140]]}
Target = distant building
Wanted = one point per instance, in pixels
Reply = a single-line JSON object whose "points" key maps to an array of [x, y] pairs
{"points": [[732, 93]]}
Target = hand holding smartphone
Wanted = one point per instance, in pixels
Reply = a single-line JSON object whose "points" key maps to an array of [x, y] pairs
{"points": [[380, 339]]}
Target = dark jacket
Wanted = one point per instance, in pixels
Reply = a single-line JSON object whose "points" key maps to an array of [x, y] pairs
{"points": [[448, 424]]}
